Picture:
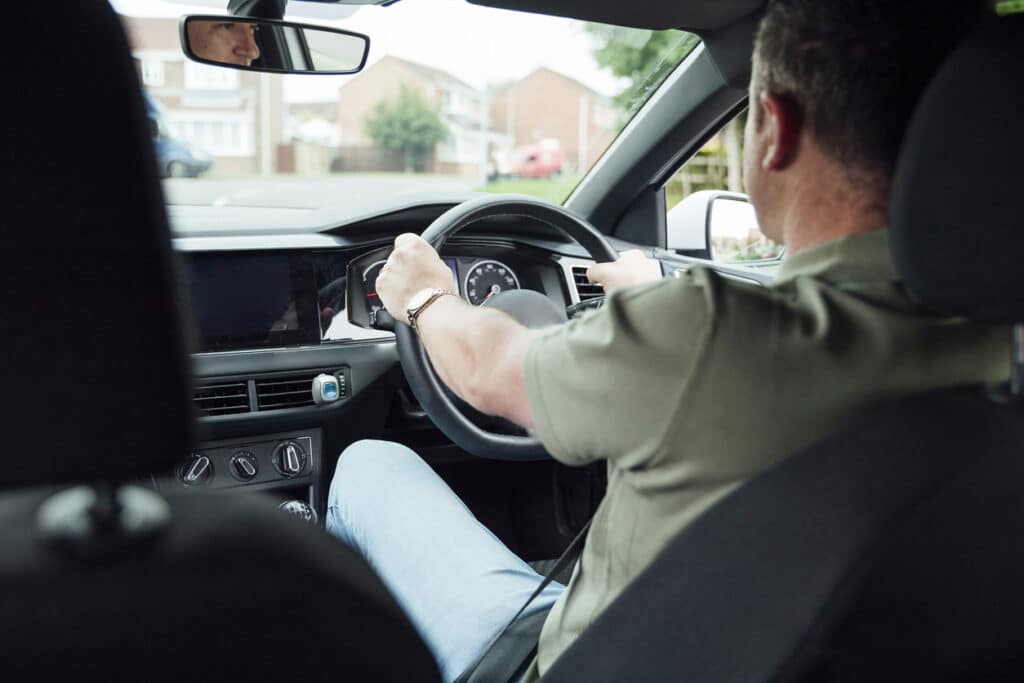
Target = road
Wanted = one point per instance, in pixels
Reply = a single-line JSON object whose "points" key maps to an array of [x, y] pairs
{"points": [[291, 191]]}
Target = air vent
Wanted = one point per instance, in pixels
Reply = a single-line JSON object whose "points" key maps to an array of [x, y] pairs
{"points": [[291, 391], [584, 287], [221, 399]]}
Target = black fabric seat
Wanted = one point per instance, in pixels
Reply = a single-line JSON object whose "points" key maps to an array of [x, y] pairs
{"points": [[892, 551], [97, 379]]}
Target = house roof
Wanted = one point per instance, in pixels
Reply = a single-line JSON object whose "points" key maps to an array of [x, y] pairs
{"points": [[543, 69], [434, 74], [429, 73]]}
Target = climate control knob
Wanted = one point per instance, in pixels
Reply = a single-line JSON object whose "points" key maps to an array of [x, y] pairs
{"points": [[244, 466], [197, 471], [290, 458]]}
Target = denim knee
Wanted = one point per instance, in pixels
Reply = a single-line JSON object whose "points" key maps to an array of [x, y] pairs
{"points": [[363, 476], [367, 464]]}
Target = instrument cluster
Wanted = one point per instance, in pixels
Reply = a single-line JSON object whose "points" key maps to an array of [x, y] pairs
{"points": [[477, 278]]}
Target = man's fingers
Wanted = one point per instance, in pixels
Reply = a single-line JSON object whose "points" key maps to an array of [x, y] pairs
{"points": [[407, 238], [632, 267], [598, 272]]}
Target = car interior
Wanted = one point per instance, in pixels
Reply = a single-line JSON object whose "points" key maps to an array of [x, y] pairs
{"points": [[162, 517]]}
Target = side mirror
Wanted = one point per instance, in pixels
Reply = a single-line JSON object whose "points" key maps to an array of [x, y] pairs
{"points": [[271, 45], [719, 226]]}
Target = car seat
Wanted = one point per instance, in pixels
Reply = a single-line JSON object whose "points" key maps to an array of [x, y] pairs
{"points": [[101, 580]]}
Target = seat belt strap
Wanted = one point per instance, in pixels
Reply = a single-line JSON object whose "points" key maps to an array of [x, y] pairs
{"points": [[569, 556]]}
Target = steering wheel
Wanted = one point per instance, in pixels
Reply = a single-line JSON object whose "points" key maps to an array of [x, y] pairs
{"points": [[528, 307]]}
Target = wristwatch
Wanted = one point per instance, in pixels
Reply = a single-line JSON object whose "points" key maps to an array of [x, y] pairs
{"points": [[421, 300]]}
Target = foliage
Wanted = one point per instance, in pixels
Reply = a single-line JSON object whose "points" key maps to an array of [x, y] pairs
{"points": [[552, 189], [407, 125], [643, 57]]}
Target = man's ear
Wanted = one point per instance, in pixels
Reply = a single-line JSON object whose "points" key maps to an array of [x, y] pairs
{"points": [[782, 125]]}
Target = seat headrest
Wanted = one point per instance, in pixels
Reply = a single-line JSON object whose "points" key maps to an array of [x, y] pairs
{"points": [[93, 367], [957, 208]]}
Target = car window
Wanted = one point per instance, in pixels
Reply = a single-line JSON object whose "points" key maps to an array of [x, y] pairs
{"points": [[454, 98], [718, 165]]}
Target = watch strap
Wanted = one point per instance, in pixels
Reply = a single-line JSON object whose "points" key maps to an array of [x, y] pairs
{"points": [[415, 313]]}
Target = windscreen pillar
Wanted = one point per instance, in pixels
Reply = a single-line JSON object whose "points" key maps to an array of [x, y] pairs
{"points": [[258, 9]]}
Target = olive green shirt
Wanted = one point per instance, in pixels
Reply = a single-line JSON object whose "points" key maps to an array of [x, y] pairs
{"points": [[691, 386]]}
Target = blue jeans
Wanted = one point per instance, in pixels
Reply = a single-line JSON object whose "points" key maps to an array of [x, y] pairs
{"points": [[456, 581]]}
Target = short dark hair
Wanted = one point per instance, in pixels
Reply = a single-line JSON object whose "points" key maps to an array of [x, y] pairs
{"points": [[856, 68]]}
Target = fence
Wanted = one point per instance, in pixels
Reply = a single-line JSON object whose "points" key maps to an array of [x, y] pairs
{"points": [[363, 159]]}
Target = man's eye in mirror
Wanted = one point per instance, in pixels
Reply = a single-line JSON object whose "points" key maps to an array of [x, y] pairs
{"points": [[274, 46]]}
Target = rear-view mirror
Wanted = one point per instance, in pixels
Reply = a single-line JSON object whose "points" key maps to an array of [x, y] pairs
{"points": [[272, 45]]}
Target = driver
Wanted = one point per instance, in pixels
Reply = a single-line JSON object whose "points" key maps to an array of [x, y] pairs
{"points": [[224, 42], [688, 387]]}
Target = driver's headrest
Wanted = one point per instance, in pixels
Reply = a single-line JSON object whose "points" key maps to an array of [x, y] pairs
{"points": [[92, 355], [957, 209]]}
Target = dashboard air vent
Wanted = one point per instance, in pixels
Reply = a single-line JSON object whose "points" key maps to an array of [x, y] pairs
{"points": [[221, 399], [584, 287], [290, 391]]}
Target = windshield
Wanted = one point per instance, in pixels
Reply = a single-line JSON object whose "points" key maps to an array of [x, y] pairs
{"points": [[454, 98]]}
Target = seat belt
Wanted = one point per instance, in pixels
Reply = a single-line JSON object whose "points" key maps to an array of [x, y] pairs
{"points": [[516, 644]]}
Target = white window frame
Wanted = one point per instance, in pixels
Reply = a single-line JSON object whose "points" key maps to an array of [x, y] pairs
{"points": [[220, 134], [154, 73], [205, 77]]}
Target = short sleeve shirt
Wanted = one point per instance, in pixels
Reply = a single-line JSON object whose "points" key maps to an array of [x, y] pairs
{"points": [[690, 386]]}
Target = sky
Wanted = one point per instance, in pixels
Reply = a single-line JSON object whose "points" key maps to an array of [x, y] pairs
{"points": [[479, 45]]}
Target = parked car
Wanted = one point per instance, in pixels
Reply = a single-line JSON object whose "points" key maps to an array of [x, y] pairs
{"points": [[541, 160], [176, 158]]}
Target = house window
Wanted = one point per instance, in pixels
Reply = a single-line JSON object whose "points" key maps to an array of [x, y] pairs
{"points": [[224, 135], [205, 77], [152, 73]]}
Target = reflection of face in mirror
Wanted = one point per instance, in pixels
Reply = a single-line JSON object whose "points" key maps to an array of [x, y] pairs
{"points": [[224, 42]]}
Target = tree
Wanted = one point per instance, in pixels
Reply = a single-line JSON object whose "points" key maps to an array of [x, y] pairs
{"points": [[407, 125], [644, 57]]}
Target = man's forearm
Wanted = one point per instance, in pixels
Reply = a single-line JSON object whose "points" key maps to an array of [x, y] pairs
{"points": [[480, 353]]}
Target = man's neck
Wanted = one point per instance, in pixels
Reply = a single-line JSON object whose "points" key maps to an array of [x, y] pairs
{"points": [[826, 204]]}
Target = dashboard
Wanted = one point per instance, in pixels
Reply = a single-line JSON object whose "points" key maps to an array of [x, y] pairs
{"points": [[249, 300], [284, 301]]}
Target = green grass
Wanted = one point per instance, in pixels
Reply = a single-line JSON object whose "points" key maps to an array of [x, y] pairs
{"points": [[552, 189]]}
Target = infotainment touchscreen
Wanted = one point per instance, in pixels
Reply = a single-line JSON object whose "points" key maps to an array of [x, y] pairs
{"points": [[253, 300]]}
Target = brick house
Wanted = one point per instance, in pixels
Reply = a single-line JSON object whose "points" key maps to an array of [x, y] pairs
{"points": [[461, 106], [547, 105], [237, 117]]}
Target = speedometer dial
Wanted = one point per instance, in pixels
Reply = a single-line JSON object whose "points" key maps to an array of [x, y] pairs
{"points": [[487, 278], [370, 285]]}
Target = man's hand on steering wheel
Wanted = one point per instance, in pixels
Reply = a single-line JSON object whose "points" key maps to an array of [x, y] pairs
{"points": [[412, 267], [631, 268], [479, 353]]}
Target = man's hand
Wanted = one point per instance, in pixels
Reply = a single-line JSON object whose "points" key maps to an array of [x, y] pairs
{"points": [[412, 266], [631, 268]]}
